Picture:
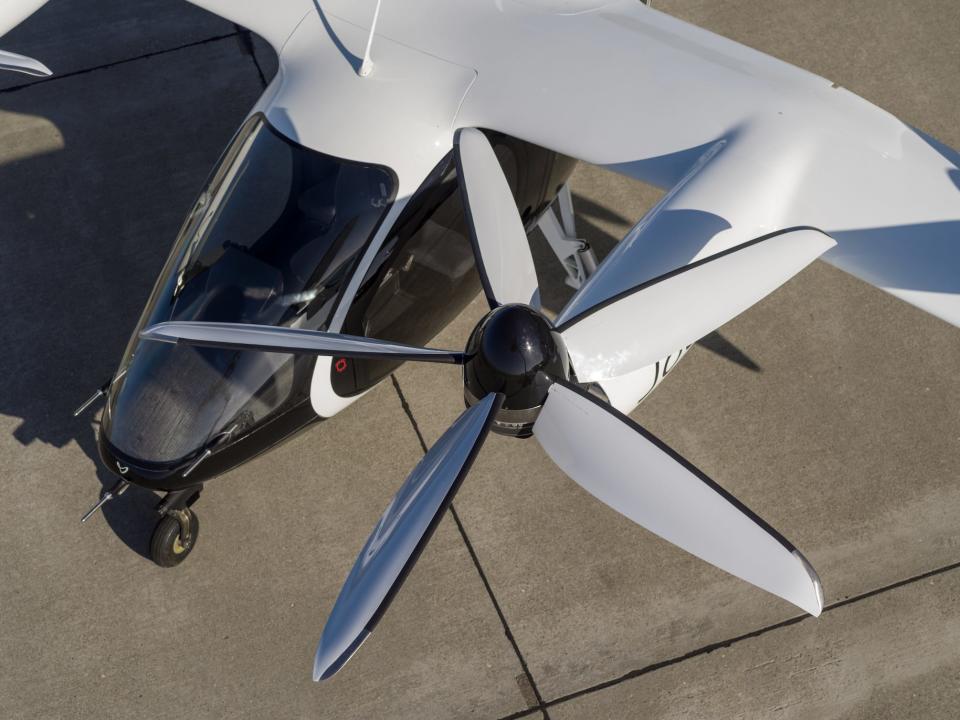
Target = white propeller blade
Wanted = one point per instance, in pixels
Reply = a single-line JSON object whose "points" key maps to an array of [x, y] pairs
{"points": [[400, 536], [624, 466], [645, 324], [269, 338], [500, 243], [24, 64]]}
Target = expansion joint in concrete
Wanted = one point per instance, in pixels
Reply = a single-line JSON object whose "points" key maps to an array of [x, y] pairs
{"points": [[246, 43], [530, 684], [124, 61], [706, 649]]}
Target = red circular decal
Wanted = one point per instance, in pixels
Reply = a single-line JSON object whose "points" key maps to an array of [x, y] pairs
{"points": [[341, 365]]}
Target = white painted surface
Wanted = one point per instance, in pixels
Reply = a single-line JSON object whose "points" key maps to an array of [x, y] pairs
{"points": [[793, 148], [496, 227], [401, 116], [800, 151], [675, 311], [635, 477]]}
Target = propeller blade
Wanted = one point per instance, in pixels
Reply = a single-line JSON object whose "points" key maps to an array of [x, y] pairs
{"points": [[24, 64], [624, 466], [400, 536], [269, 338], [499, 241], [646, 323]]}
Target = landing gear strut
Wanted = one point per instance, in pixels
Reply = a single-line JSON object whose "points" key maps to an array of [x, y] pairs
{"points": [[574, 254], [176, 534]]}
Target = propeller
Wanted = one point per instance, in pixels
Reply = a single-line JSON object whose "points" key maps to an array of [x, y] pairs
{"points": [[500, 244], [400, 536], [646, 323], [270, 338], [518, 381], [623, 465]]}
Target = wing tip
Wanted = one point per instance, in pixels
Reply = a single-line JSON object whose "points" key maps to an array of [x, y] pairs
{"points": [[816, 606]]}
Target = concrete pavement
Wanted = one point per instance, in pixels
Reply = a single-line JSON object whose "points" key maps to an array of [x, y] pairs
{"points": [[830, 408]]}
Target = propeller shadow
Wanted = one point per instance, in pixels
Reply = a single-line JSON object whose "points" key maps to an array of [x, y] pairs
{"points": [[719, 345]]}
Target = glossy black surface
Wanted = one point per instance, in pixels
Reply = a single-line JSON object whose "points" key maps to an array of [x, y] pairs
{"points": [[272, 240], [515, 351], [420, 281], [535, 175], [169, 476], [426, 275]]}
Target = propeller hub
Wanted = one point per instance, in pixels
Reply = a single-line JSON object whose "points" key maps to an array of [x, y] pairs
{"points": [[514, 350]]}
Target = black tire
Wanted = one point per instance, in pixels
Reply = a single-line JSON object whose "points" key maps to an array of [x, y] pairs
{"points": [[166, 547]]}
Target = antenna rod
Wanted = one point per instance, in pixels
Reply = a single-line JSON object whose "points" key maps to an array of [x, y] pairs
{"points": [[367, 67]]}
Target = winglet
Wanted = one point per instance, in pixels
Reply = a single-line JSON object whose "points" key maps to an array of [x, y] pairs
{"points": [[23, 64]]}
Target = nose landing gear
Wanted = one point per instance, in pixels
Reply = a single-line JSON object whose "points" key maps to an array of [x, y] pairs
{"points": [[176, 534], [174, 537]]}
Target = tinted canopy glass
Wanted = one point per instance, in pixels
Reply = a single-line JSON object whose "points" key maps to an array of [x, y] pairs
{"points": [[272, 240]]}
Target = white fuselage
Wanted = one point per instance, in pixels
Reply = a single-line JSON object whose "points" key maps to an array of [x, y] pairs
{"points": [[745, 144]]}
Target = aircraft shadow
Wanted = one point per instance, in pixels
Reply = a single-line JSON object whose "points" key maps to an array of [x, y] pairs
{"points": [[88, 213]]}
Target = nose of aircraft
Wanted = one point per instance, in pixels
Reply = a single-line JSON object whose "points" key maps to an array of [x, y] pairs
{"points": [[175, 401]]}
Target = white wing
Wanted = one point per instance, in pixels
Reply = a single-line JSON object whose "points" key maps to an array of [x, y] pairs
{"points": [[756, 144], [622, 85], [634, 330]]}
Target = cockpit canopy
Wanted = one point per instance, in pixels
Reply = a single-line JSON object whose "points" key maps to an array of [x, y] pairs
{"points": [[271, 240]]}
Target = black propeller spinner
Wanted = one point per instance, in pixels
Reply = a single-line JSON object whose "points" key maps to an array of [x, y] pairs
{"points": [[515, 351]]}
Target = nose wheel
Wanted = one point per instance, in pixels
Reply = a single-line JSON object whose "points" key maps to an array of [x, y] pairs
{"points": [[174, 537]]}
